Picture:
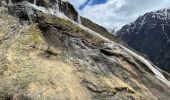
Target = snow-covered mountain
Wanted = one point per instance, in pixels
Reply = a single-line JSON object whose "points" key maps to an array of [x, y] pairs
{"points": [[150, 34]]}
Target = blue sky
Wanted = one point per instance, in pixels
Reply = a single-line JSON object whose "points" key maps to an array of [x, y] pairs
{"points": [[92, 3], [116, 13]]}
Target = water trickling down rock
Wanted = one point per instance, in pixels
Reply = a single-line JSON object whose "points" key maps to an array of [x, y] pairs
{"points": [[60, 8]]}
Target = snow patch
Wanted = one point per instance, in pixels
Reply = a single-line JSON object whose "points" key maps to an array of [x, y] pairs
{"points": [[162, 14]]}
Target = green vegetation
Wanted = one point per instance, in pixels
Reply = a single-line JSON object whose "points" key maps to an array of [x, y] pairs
{"points": [[35, 35], [67, 26], [99, 29], [44, 3]]}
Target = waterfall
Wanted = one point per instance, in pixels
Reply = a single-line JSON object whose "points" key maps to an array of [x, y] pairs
{"points": [[57, 5], [51, 11], [66, 11], [79, 19], [35, 2], [9, 2]]}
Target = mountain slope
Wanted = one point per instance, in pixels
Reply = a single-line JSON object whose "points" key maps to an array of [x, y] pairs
{"points": [[44, 56], [150, 34]]}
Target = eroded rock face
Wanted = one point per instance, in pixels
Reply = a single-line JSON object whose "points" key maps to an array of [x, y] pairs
{"points": [[58, 5], [53, 58], [2, 3], [68, 10]]}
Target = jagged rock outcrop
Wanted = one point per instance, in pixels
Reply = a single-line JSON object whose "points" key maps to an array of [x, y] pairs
{"points": [[150, 34], [44, 56], [56, 5]]}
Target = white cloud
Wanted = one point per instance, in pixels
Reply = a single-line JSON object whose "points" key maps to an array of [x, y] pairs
{"points": [[115, 13]]}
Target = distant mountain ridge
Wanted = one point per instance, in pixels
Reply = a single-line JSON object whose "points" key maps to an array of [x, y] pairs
{"points": [[150, 34]]}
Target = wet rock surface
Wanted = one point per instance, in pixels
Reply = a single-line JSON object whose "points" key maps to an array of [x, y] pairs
{"points": [[52, 58]]}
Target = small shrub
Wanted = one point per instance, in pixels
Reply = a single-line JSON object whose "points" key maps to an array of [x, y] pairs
{"points": [[35, 35]]}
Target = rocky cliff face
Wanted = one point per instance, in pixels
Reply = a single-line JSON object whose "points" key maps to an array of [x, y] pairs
{"points": [[44, 56], [52, 6], [150, 34]]}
